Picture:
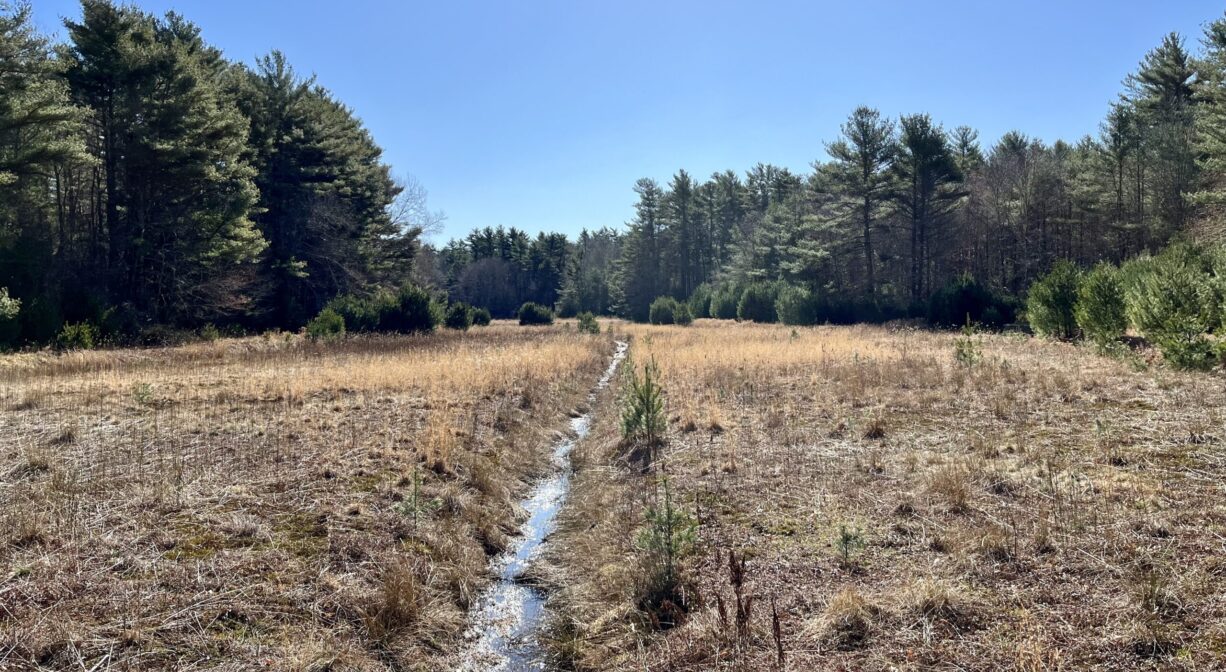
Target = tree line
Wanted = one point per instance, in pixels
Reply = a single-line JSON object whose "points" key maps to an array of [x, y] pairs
{"points": [[146, 182], [902, 210]]}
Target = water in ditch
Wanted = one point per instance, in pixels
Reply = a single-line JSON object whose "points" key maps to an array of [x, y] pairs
{"points": [[506, 621]]}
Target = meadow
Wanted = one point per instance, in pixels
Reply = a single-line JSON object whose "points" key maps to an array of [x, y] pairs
{"points": [[867, 498], [269, 502], [839, 497]]}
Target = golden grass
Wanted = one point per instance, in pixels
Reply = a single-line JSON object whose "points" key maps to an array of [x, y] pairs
{"points": [[1048, 508], [269, 502]]}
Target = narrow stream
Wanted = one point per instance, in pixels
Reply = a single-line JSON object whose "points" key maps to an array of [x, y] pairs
{"points": [[507, 618]]}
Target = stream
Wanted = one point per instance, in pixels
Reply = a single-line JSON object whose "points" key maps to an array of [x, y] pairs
{"points": [[508, 616]]}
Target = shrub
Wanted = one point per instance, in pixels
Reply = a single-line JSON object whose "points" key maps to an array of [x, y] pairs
{"points": [[481, 317], [796, 306], [667, 310], [1100, 305], [9, 326], [757, 304], [723, 303], [534, 313], [699, 302], [588, 323], [1049, 306], [78, 336], [683, 316], [360, 314], [950, 305], [328, 325], [459, 316], [413, 312], [643, 407], [41, 320], [1172, 301], [966, 347], [210, 332], [668, 537]]}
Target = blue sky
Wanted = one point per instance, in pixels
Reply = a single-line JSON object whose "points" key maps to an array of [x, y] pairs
{"points": [[541, 115]]}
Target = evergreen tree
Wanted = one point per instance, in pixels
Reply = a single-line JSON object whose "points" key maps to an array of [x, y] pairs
{"points": [[178, 192], [639, 278], [859, 173], [928, 188]]}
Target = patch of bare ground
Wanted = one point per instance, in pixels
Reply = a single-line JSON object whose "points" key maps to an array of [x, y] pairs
{"points": [[1044, 508], [269, 503]]}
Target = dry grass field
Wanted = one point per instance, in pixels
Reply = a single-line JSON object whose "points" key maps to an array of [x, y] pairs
{"points": [[863, 500], [1043, 508], [269, 503]]}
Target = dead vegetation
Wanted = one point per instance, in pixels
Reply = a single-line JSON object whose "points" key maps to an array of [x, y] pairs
{"points": [[1039, 507], [270, 502]]}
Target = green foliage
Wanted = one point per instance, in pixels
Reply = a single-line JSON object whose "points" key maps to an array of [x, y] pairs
{"points": [[848, 542], [1051, 301], [175, 151], [360, 315], [643, 418], [699, 302], [966, 347], [534, 313], [1100, 309], [797, 306], [459, 316], [210, 332], [588, 323], [482, 317], [667, 310], [328, 325], [664, 542], [757, 304], [723, 303], [409, 310], [964, 297], [10, 308], [414, 312], [1173, 300], [78, 336]]}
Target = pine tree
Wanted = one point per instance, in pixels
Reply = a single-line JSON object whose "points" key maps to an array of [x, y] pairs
{"points": [[324, 196], [859, 173], [1161, 92], [639, 279], [39, 137], [928, 188], [178, 192], [1210, 120]]}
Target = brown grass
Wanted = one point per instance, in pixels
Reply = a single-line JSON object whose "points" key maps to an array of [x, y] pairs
{"points": [[252, 503], [1048, 508]]}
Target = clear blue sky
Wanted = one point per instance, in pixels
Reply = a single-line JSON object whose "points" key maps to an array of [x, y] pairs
{"points": [[541, 115]]}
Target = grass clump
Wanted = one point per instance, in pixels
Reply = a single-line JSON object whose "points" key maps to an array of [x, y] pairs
{"points": [[846, 621]]}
